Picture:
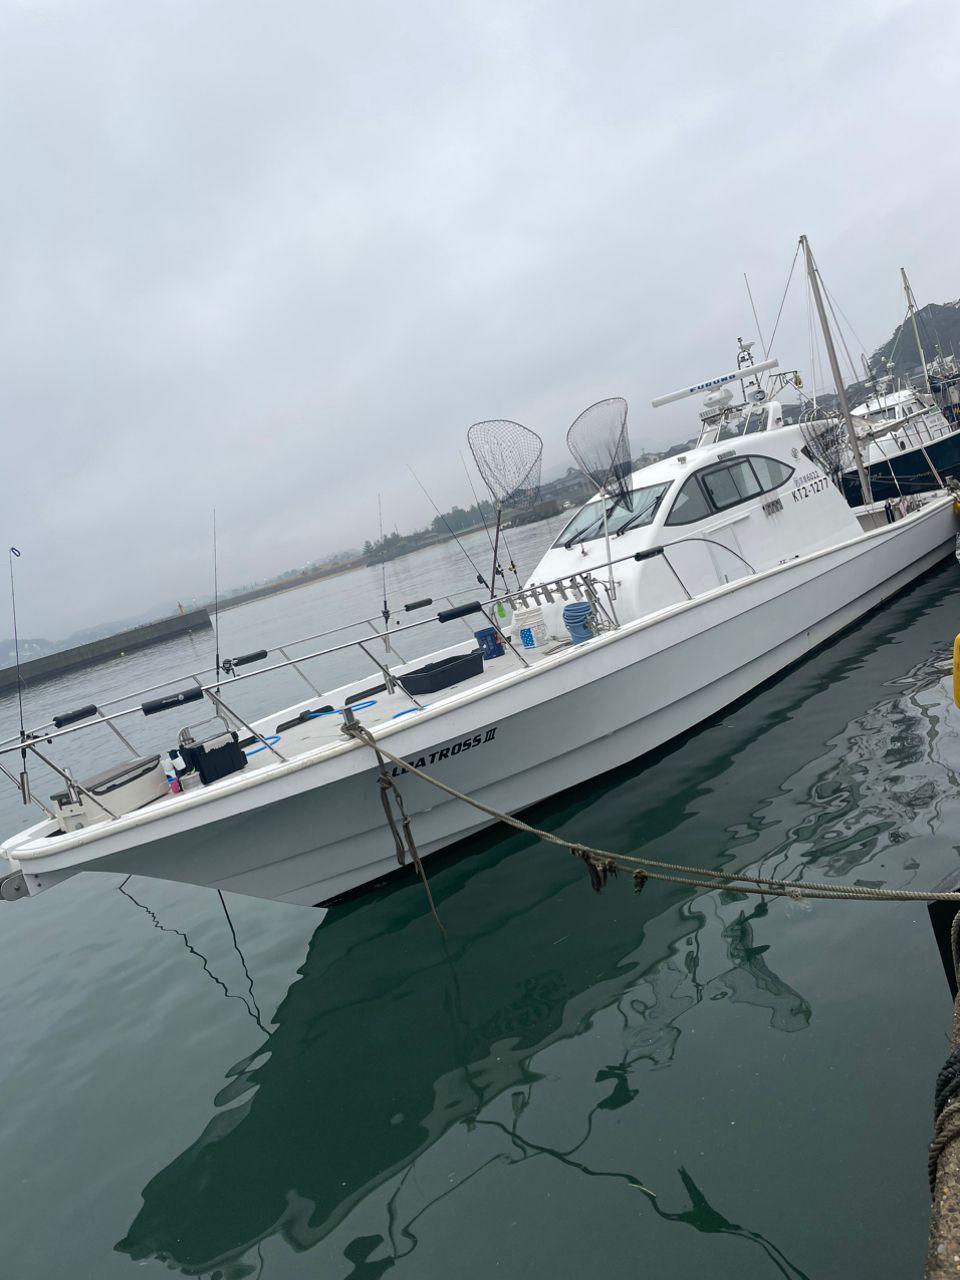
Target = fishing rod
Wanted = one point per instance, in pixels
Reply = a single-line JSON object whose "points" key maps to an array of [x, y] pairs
{"points": [[480, 578], [508, 457], [385, 611], [216, 600], [486, 528], [24, 775]]}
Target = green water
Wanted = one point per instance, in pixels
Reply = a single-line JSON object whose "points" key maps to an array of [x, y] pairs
{"points": [[677, 1084]]}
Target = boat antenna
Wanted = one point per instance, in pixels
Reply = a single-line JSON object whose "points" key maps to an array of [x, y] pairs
{"points": [[756, 318], [24, 777], [912, 309], [446, 524], [216, 600], [813, 275], [385, 611], [600, 446], [508, 457]]}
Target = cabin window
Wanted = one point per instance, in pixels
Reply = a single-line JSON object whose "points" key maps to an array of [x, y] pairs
{"points": [[733, 483], [715, 489], [756, 421], [771, 473], [690, 504]]}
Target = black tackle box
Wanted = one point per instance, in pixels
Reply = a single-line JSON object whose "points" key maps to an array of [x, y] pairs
{"points": [[441, 675], [213, 758]]}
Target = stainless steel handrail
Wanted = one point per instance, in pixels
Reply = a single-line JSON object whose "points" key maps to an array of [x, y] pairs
{"points": [[576, 580]]}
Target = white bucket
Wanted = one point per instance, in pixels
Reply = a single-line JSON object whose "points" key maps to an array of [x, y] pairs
{"points": [[529, 628]]}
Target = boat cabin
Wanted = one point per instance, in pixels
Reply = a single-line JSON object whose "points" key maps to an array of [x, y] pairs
{"points": [[886, 409], [700, 520]]}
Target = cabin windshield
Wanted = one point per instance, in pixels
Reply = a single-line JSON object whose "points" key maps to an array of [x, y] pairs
{"points": [[745, 425], [735, 426], [887, 414], [639, 509]]}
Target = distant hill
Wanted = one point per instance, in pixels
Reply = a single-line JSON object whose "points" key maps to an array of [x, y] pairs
{"points": [[32, 648], [939, 326]]}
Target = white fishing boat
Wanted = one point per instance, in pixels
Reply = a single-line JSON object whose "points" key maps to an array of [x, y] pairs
{"points": [[680, 588], [906, 444], [907, 441]]}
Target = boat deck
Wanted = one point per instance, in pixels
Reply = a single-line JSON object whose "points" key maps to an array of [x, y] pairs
{"points": [[322, 717], [296, 731]]}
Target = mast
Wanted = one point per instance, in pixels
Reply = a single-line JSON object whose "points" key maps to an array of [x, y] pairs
{"points": [[813, 275], [912, 308]]}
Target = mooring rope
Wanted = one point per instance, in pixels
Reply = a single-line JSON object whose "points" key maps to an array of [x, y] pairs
{"points": [[602, 863], [946, 1093], [402, 836]]}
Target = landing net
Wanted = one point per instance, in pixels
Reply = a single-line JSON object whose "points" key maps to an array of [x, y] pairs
{"points": [[600, 446], [508, 457]]}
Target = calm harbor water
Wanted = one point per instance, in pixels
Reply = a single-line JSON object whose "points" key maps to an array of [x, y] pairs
{"points": [[675, 1084]]}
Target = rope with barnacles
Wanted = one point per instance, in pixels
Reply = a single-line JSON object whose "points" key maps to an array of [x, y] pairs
{"points": [[601, 864]]}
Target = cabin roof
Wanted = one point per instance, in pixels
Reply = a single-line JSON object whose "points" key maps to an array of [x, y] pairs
{"points": [[773, 444]]}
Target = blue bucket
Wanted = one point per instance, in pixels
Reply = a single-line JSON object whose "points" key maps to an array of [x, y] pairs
{"points": [[577, 619]]}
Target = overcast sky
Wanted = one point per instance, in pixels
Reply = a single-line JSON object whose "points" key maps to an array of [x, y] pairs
{"points": [[262, 256]]}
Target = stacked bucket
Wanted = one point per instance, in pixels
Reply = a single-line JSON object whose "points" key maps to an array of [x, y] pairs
{"points": [[577, 619]]}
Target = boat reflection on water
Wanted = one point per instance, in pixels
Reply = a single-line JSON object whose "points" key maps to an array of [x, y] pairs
{"points": [[393, 1035]]}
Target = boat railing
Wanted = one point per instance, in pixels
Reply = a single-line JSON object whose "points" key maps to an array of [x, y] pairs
{"points": [[89, 712], [578, 585], [91, 715]]}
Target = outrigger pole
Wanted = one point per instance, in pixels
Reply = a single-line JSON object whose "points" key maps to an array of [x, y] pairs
{"points": [[912, 309], [814, 277], [24, 774]]}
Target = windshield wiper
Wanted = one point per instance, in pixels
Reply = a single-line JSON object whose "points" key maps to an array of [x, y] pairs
{"points": [[647, 511], [584, 533]]}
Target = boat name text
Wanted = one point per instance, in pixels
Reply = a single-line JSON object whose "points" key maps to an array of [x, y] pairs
{"points": [[444, 753]]}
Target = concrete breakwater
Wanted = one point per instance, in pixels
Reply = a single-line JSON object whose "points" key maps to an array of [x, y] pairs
{"points": [[37, 670]]}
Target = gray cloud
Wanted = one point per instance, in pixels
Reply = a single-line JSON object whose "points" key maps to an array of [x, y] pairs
{"points": [[261, 257]]}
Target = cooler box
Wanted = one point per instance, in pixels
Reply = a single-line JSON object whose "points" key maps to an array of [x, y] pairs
{"points": [[123, 788]]}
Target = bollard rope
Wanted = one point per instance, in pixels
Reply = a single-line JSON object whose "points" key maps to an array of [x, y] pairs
{"points": [[601, 863]]}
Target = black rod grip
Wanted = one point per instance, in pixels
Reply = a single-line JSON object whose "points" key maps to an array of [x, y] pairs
{"points": [[648, 555], [71, 717], [171, 700], [417, 604], [461, 611], [244, 658]]}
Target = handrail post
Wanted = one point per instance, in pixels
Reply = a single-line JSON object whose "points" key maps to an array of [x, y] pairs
{"points": [[301, 674], [218, 701], [125, 740], [667, 562], [7, 774], [391, 680], [71, 782], [509, 639], [381, 636]]}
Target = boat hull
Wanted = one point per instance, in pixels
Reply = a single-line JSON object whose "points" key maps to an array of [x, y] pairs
{"points": [[316, 831], [908, 472]]}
